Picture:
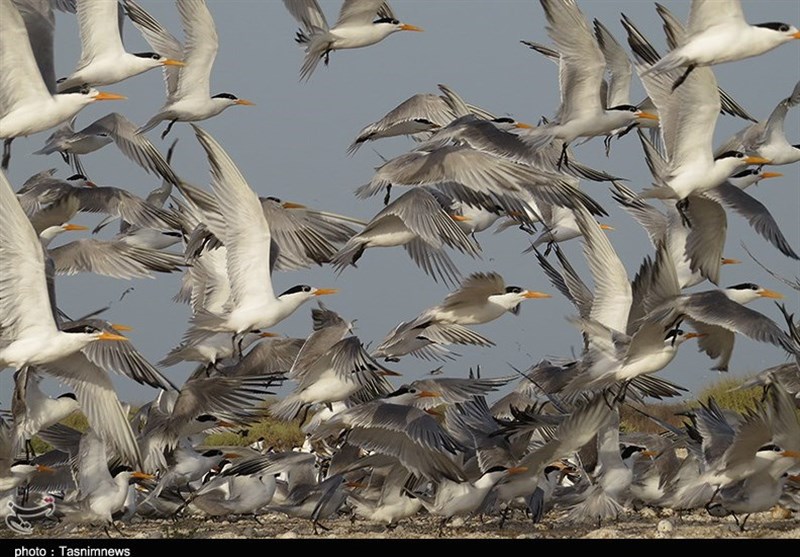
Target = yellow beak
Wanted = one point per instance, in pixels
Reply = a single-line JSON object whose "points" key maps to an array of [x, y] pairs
{"points": [[407, 27]]}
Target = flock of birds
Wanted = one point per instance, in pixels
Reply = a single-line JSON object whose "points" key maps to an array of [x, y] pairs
{"points": [[382, 451]]}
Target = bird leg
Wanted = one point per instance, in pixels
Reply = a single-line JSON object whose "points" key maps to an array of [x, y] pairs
{"points": [[744, 520], [169, 127], [78, 166], [682, 206], [682, 78], [441, 526], [29, 452], [503, 517], [6, 153], [564, 158], [607, 144], [318, 523]]}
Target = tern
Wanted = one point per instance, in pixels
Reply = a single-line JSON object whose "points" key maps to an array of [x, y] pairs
{"points": [[481, 298], [416, 221], [78, 194], [30, 336], [582, 66], [33, 410], [113, 127], [111, 258], [28, 100], [391, 426], [69, 143], [718, 33], [418, 116], [480, 162], [689, 164], [188, 87], [759, 445], [361, 23], [253, 305], [720, 314], [102, 492], [767, 138], [104, 60], [330, 367]]}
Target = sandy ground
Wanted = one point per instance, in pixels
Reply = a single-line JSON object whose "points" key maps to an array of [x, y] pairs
{"points": [[645, 524]]}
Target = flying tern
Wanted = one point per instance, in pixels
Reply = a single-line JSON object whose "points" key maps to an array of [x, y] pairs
{"points": [[481, 298], [767, 138], [29, 333], [582, 67], [361, 23], [188, 87], [720, 314], [418, 116], [689, 165], [104, 60], [719, 33], [416, 221], [28, 99], [253, 305]]}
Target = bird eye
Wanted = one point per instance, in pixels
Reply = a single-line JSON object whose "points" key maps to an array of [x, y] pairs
{"points": [[155, 57], [306, 289], [784, 28]]}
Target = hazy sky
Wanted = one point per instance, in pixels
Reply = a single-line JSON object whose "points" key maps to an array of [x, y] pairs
{"points": [[293, 143]]}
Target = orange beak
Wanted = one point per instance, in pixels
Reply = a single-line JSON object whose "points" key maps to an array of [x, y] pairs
{"points": [[533, 294], [771, 294], [606, 227], [407, 27], [791, 454], [105, 96], [119, 327], [245, 102], [459, 218], [647, 116], [695, 335], [516, 470], [796, 35], [290, 205], [757, 160], [767, 175], [70, 226], [43, 468], [523, 125], [142, 476], [727, 261], [267, 335], [110, 336], [171, 62], [428, 394], [325, 291]]}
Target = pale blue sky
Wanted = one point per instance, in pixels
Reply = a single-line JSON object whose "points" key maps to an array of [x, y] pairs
{"points": [[293, 143]]}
